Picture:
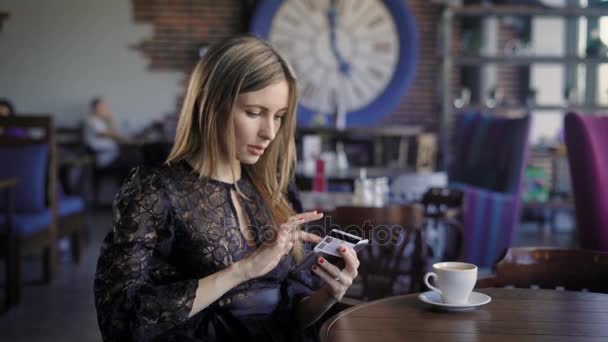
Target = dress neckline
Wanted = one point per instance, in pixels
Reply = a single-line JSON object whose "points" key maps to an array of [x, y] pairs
{"points": [[213, 180]]}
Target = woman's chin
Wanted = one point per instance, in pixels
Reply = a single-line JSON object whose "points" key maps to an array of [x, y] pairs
{"points": [[249, 160]]}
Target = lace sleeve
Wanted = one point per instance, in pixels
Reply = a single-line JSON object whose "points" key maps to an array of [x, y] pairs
{"points": [[138, 293]]}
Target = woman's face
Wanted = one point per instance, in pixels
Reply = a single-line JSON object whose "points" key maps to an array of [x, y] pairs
{"points": [[102, 109], [4, 110], [258, 116]]}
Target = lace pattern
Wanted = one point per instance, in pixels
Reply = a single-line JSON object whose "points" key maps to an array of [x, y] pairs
{"points": [[170, 229]]}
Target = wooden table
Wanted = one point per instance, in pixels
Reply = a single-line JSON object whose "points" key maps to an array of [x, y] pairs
{"points": [[519, 315]]}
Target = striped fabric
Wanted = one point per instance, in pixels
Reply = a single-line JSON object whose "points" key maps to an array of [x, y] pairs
{"points": [[488, 166]]}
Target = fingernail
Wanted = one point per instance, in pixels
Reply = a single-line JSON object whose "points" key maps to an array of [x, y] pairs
{"points": [[315, 211], [314, 268], [321, 260], [343, 249], [300, 219]]}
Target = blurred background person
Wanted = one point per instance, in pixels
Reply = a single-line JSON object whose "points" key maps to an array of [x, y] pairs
{"points": [[112, 150], [7, 109]]}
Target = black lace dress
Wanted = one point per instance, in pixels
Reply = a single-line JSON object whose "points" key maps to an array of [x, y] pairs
{"points": [[169, 230]]}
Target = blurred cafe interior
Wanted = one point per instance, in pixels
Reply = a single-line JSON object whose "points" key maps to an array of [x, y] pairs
{"points": [[467, 131]]}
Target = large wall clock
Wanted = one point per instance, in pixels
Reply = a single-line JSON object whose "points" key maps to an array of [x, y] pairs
{"points": [[353, 56]]}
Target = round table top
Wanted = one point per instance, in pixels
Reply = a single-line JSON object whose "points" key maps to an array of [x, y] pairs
{"points": [[519, 315]]}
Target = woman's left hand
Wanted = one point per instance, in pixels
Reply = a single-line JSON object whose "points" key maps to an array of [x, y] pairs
{"points": [[338, 281]]}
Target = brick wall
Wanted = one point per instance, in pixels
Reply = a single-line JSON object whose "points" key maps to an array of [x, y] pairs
{"points": [[181, 26], [421, 104]]}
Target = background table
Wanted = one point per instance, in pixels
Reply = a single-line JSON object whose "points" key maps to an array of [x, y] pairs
{"points": [[519, 315]]}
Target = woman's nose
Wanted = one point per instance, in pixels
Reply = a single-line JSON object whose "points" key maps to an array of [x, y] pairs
{"points": [[268, 129]]}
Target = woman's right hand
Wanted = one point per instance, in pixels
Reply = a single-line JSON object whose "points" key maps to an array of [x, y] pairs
{"points": [[266, 257]]}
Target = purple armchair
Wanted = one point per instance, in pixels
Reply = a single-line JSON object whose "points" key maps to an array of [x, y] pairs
{"points": [[587, 143], [490, 154]]}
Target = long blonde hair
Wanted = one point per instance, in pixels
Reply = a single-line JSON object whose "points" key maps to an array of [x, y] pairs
{"points": [[205, 128]]}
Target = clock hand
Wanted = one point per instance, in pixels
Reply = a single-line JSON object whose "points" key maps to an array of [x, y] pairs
{"points": [[332, 20]]}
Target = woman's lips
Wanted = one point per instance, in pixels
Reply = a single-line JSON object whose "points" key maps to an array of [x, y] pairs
{"points": [[255, 150]]}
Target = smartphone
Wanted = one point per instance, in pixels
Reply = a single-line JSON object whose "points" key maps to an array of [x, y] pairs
{"points": [[329, 248]]}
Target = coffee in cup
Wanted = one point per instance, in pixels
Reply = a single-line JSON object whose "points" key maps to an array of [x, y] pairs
{"points": [[454, 281]]}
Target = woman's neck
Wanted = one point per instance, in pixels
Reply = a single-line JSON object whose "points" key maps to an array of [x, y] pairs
{"points": [[225, 171]]}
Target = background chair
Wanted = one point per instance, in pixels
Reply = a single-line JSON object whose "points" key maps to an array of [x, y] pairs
{"points": [[551, 268], [74, 167], [74, 162], [443, 227], [71, 213], [130, 156], [6, 191], [98, 176], [395, 251], [489, 159], [34, 226], [587, 143]]}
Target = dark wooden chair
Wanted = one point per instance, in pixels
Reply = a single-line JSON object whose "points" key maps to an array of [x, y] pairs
{"points": [[33, 227], [70, 137], [443, 212], [396, 249], [117, 174], [72, 156], [98, 176], [550, 268], [74, 161], [72, 214], [7, 186]]}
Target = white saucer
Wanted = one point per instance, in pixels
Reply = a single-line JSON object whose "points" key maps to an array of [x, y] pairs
{"points": [[475, 299]]}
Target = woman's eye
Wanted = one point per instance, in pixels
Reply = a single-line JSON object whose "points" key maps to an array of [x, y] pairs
{"points": [[253, 114], [278, 117]]}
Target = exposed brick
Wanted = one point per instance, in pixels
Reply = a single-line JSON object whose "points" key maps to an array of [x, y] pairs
{"points": [[181, 26]]}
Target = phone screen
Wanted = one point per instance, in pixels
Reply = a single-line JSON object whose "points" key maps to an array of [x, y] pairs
{"points": [[329, 248]]}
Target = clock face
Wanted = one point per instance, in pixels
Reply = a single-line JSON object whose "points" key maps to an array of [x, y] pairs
{"points": [[352, 56], [344, 52]]}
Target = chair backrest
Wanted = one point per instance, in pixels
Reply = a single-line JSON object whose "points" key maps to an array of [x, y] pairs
{"points": [[489, 151], [587, 145], [32, 159], [70, 137], [395, 245], [551, 268]]}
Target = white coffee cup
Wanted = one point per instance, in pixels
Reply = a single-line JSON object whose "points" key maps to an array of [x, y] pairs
{"points": [[454, 280]]}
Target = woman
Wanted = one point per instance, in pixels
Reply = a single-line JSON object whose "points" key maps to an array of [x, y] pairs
{"points": [[201, 247], [114, 153], [8, 110]]}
